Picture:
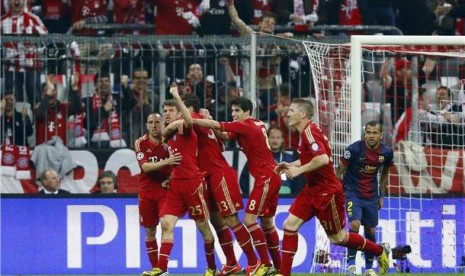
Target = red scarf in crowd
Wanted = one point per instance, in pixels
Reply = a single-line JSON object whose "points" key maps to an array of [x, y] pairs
{"points": [[110, 128]]}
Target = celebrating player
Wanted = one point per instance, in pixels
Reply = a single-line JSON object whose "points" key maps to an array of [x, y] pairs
{"points": [[223, 195], [155, 163], [323, 196], [359, 166], [185, 194], [263, 200]]}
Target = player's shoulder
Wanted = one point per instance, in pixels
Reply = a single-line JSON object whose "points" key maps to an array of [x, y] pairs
{"points": [[356, 146], [140, 141], [385, 148]]}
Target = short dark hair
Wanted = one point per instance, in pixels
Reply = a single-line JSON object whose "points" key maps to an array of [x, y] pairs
{"points": [[244, 103], [191, 100], [374, 123], [101, 74], [108, 174], [274, 128], [171, 102]]}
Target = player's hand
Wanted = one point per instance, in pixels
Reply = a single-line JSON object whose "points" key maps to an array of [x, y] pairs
{"points": [[292, 172], [174, 159], [205, 113], [380, 203], [281, 168], [174, 91], [166, 184]]}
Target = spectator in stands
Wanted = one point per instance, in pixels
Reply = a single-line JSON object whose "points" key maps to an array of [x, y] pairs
{"points": [[215, 19], [21, 60], [130, 12], [88, 11], [280, 119], [56, 15], [276, 142], [146, 102], [259, 8], [425, 122], [51, 114], [447, 14], [397, 86], [197, 84], [296, 12], [221, 110], [51, 183], [378, 12], [448, 134], [176, 17], [15, 126], [414, 17], [266, 24], [103, 110], [107, 183]]}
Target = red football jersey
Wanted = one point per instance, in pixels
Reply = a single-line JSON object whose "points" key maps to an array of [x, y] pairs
{"points": [[314, 143], [187, 145], [211, 158], [148, 151], [253, 139]]}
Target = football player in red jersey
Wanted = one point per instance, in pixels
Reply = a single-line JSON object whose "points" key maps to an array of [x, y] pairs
{"points": [[252, 136], [323, 195], [223, 194], [156, 164], [186, 191]]}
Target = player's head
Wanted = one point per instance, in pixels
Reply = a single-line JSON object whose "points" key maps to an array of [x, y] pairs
{"points": [[301, 110], [171, 111], [373, 133], [191, 100], [155, 124], [108, 182], [276, 139], [242, 108]]}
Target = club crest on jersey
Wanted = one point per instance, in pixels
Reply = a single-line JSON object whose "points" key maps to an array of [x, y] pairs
{"points": [[314, 146], [346, 154], [381, 159], [140, 155]]}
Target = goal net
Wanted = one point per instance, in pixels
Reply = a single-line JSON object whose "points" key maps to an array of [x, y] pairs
{"points": [[414, 86]]}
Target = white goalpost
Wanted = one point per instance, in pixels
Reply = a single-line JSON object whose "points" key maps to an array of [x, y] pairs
{"points": [[395, 79]]}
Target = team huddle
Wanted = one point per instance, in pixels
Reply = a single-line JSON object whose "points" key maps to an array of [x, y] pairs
{"points": [[175, 182]]}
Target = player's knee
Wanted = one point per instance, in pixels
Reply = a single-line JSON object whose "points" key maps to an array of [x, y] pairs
{"points": [[167, 226], [150, 232], [267, 222], [337, 238], [290, 225], [232, 220], [355, 225]]}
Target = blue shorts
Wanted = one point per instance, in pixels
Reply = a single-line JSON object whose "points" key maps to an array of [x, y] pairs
{"points": [[362, 209]]}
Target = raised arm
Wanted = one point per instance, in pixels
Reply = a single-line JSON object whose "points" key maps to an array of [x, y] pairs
{"points": [[236, 20], [186, 114]]}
